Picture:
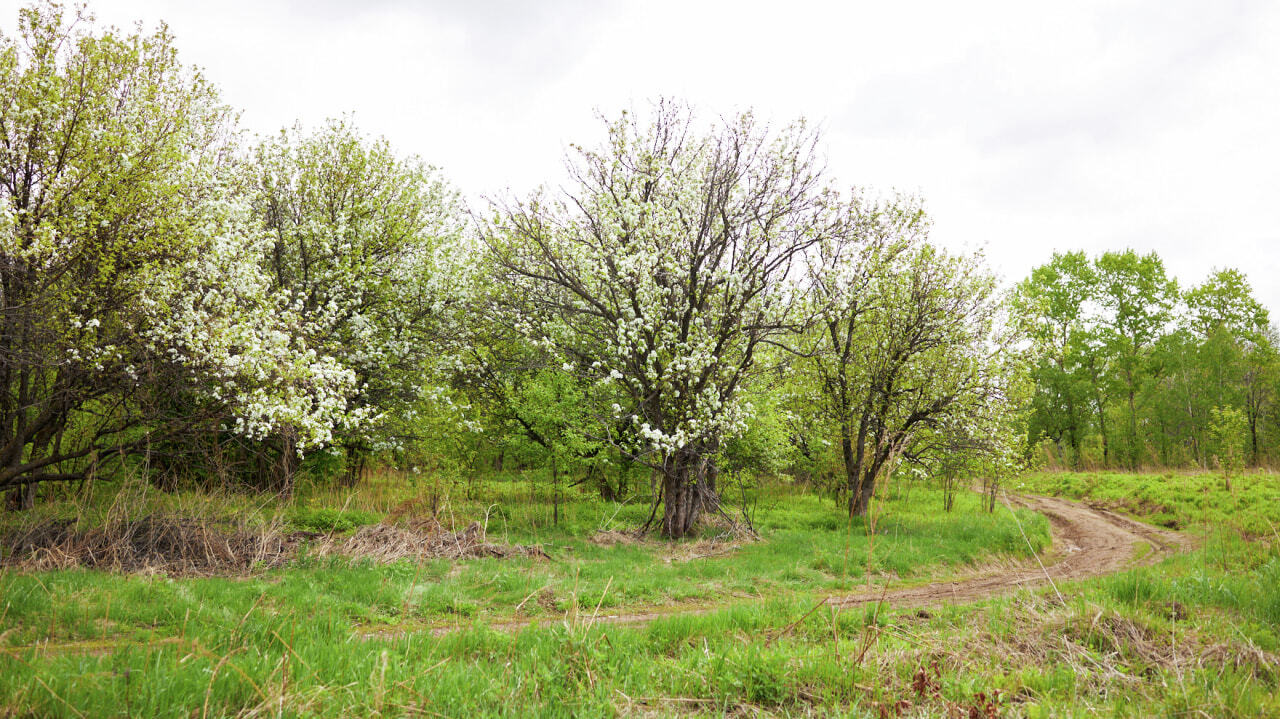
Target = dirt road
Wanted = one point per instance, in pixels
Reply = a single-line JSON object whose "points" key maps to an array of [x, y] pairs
{"points": [[1087, 541]]}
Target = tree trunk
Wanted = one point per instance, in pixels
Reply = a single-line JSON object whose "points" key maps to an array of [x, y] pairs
{"points": [[860, 500], [855, 479], [555, 493], [355, 464], [288, 463], [1133, 430], [23, 497], [1253, 439], [1102, 431], [688, 487]]}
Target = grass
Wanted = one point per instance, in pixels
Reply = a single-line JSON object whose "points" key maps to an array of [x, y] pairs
{"points": [[1249, 502], [1195, 635]]}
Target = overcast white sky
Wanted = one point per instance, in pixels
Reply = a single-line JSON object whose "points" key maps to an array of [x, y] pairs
{"points": [[1028, 127]]}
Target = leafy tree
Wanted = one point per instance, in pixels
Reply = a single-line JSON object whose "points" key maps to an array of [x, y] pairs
{"points": [[1137, 300], [905, 337], [1260, 378], [1227, 426], [1054, 304], [120, 280], [1225, 302], [1235, 331]]}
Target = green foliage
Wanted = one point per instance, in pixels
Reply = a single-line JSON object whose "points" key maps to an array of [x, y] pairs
{"points": [[1227, 430], [1128, 371], [329, 519]]}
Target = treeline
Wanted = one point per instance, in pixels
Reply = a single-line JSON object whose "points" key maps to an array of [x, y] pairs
{"points": [[697, 304], [1132, 371]]}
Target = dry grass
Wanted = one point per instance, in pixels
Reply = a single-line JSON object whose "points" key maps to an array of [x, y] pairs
{"points": [[151, 544], [1103, 648], [177, 545], [615, 537], [421, 539]]}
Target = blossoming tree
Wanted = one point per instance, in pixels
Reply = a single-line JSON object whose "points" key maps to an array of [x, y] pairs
{"points": [[359, 243], [122, 273], [662, 269]]}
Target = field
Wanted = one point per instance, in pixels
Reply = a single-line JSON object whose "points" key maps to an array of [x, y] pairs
{"points": [[610, 625]]}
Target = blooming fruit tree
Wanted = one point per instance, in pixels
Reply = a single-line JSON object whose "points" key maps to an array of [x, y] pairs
{"points": [[365, 247], [123, 273], [661, 270]]}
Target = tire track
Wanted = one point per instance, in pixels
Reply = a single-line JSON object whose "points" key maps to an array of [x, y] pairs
{"points": [[1088, 541]]}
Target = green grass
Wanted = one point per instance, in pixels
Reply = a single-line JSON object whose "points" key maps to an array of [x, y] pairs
{"points": [[1248, 502], [155, 645], [1194, 635]]}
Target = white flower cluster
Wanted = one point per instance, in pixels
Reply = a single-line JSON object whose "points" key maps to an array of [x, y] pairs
{"points": [[665, 294], [215, 315]]}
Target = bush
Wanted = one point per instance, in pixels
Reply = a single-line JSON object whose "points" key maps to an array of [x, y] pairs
{"points": [[328, 519]]}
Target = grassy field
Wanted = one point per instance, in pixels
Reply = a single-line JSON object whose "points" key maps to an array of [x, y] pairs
{"points": [[1196, 635], [333, 635]]}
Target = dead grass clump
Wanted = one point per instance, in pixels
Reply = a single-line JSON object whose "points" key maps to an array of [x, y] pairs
{"points": [[171, 544], [149, 544], [1246, 657], [732, 535], [726, 526], [1105, 646], [703, 549], [615, 537], [426, 539]]}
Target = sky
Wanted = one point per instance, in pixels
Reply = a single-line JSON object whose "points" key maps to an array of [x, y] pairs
{"points": [[1027, 127]]}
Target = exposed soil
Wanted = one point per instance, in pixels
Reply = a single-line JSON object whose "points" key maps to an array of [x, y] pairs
{"points": [[1087, 541]]}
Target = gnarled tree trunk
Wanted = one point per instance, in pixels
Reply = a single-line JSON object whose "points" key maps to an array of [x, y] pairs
{"points": [[688, 488]]}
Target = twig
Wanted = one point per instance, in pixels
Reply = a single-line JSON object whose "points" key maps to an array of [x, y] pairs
{"points": [[791, 627]]}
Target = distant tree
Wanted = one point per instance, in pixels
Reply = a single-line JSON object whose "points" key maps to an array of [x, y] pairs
{"points": [[1233, 329], [1137, 298], [1261, 376], [1054, 305], [1225, 302]]}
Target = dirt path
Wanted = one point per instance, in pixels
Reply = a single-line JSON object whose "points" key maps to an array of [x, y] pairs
{"points": [[1087, 541]]}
